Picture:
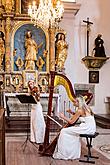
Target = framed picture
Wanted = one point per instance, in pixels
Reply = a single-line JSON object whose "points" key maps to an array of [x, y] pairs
{"points": [[43, 81], [30, 75], [93, 76], [7, 80]]}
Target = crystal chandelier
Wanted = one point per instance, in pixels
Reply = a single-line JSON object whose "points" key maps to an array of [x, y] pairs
{"points": [[46, 14]]}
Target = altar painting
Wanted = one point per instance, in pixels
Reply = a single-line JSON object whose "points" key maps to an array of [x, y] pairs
{"points": [[19, 50]]}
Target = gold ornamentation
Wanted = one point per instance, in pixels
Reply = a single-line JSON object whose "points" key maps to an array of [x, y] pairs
{"points": [[19, 63], [52, 65], [2, 49], [8, 62], [8, 5], [43, 81], [52, 49], [14, 52], [8, 24], [45, 52], [94, 62], [31, 52], [40, 62], [17, 82], [18, 24], [7, 42], [61, 51], [30, 75]]}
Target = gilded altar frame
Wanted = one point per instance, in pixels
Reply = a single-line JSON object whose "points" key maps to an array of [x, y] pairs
{"points": [[30, 75], [14, 30], [12, 19]]}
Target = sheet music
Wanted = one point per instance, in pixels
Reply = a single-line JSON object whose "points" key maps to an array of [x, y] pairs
{"points": [[29, 99]]}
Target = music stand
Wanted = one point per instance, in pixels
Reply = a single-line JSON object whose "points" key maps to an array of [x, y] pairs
{"points": [[26, 99]]}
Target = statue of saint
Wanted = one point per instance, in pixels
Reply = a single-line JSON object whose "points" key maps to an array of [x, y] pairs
{"points": [[31, 52], [99, 50], [61, 51], [2, 49]]}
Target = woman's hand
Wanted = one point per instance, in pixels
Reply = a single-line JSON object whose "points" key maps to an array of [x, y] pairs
{"points": [[69, 111], [61, 115]]}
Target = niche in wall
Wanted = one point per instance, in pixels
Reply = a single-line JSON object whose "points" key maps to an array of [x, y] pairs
{"points": [[83, 88]]}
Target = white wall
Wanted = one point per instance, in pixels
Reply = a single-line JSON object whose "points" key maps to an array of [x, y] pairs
{"points": [[98, 12]]}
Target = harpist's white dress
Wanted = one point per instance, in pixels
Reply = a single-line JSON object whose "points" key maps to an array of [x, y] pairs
{"points": [[69, 145], [37, 124]]}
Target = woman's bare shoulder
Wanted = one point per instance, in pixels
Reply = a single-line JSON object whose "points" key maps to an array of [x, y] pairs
{"points": [[80, 111]]}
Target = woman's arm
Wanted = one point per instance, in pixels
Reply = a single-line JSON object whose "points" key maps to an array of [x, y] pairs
{"points": [[70, 111], [74, 117]]}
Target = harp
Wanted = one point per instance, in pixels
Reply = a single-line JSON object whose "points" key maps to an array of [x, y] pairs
{"points": [[55, 80]]}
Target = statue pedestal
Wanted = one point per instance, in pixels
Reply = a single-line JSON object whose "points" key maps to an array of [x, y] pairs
{"points": [[94, 62]]}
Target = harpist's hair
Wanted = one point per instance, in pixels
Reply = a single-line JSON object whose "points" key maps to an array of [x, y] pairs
{"points": [[83, 105]]}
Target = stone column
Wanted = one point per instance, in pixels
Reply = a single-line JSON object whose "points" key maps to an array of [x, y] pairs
{"points": [[7, 44], [52, 49]]}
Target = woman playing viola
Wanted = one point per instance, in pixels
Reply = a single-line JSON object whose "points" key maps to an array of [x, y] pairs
{"points": [[37, 118]]}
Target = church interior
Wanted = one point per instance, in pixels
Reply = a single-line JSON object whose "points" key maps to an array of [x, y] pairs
{"points": [[63, 47]]}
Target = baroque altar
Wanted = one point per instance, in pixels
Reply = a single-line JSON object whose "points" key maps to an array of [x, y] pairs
{"points": [[17, 31], [27, 51], [17, 66]]}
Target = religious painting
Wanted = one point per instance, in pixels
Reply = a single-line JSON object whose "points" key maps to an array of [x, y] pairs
{"points": [[30, 50], [93, 76], [43, 81], [30, 75], [17, 81], [7, 80]]}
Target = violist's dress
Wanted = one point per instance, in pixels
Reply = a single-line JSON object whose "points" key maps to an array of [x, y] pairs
{"points": [[69, 144], [37, 123]]}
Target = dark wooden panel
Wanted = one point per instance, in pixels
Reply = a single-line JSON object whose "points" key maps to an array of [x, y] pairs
{"points": [[103, 120], [2, 137]]}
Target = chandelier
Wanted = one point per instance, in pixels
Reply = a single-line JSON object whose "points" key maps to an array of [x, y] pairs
{"points": [[46, 14]]}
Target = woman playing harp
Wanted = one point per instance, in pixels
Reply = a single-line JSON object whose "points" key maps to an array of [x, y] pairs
{"points": [[69, 145]]}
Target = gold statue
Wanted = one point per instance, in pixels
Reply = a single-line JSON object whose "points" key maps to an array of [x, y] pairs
{"points": [[31, 52], [61, 51], [2, 49]]}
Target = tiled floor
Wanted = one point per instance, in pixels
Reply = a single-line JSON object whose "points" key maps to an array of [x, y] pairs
{"points": [[101, 143]]}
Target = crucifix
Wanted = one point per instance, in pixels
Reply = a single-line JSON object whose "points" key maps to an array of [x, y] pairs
{"points": [[88, 30]]}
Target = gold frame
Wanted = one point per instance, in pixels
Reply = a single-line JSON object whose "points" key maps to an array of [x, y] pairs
{"points": [[94, 76], [30, 75], [7, 80], [16, 27]]}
